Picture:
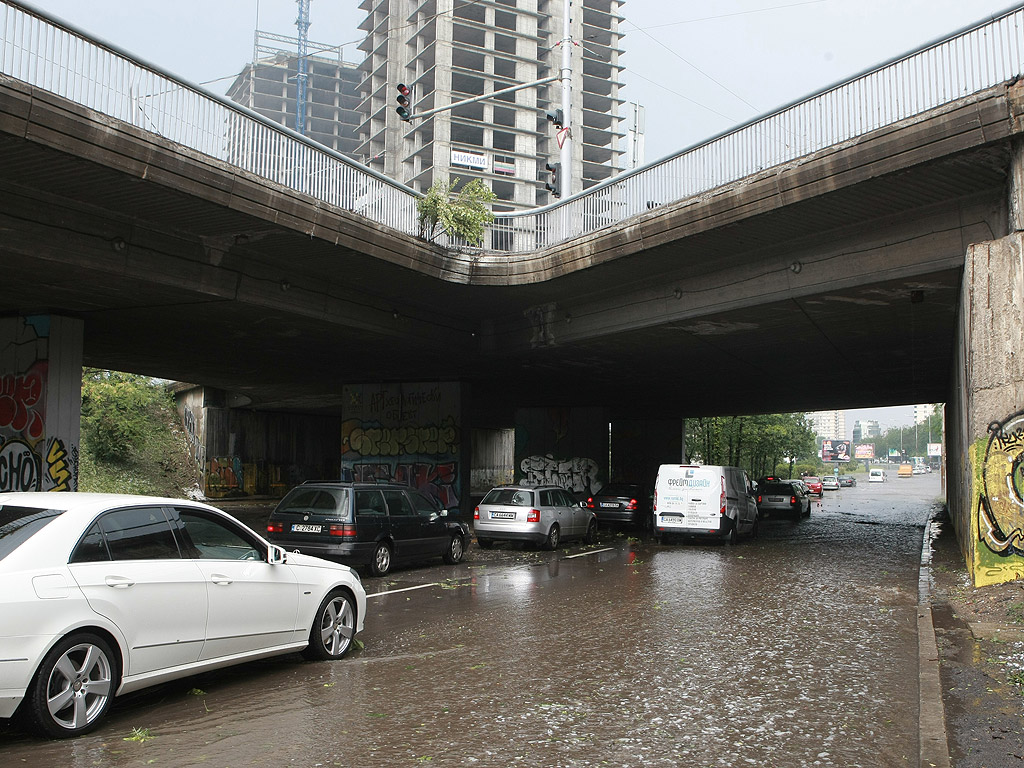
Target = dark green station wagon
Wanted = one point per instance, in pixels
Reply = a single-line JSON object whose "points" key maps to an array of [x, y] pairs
{"points": [[366, 524]]}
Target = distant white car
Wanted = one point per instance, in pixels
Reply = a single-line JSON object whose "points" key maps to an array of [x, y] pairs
{"points": [[102, 594], [830, 483], [876, 475]]}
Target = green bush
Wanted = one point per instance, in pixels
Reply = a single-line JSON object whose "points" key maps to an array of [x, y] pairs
{"points": [[116, 412]]}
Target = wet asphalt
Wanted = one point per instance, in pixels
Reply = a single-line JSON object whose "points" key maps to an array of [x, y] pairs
{"points": [[798, 648]]}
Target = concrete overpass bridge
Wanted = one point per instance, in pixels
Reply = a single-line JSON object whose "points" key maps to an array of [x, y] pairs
{"points": [[858, 247]]}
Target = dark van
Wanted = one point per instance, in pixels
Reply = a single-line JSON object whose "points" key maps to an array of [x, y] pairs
{"points": [[366, 524]]}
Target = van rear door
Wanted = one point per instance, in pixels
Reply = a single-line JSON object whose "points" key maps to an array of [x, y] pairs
{"points": [[689, 498]]}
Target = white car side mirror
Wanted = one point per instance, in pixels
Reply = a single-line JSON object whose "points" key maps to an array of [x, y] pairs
{"points": [[276, 555]]}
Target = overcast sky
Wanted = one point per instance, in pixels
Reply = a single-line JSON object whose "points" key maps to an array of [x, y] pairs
{"points": [[698, 68]]}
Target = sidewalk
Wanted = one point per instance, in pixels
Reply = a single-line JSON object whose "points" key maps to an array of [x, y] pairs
{"points": [[980, 639]]}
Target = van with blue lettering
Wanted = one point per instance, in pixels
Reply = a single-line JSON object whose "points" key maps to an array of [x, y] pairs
{"points": [[694, 500]]}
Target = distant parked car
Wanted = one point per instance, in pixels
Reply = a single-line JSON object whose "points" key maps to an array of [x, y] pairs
{"points": [[847, 481], [782, 498], [830, 483], [623, 503], [545, 515], [814, 483], [105, 594], [366, 524]]}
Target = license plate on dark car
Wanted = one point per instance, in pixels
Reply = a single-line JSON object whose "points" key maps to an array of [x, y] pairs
{"points": [[302, 528]]}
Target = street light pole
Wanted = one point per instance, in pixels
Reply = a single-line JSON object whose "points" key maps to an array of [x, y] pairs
{"points": [[565, 156]]}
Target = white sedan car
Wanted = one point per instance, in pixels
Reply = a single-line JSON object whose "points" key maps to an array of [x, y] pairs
{"points": [[102, 594]]}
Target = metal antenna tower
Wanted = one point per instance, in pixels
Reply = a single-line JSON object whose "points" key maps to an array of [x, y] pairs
{"points": [[302, 65]]}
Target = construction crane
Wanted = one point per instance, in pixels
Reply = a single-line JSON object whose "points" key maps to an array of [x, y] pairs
{"points": [[302, 66]]}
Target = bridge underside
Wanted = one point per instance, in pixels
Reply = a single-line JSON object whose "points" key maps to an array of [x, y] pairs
{"points": [[834, 283]]}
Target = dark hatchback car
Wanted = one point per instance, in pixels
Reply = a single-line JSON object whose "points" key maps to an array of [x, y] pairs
{"points": [[628, 503], [366, 524], [782, 499]]}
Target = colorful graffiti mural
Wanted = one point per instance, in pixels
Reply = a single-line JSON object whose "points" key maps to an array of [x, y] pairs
{"points": [[439, 480], [61, 467], [19, 467], [21, 401], [998, 469], [578, 474], [405, 433], [28, 460], [1001, 502]]}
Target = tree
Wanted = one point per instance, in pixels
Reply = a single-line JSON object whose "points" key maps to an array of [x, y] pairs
{"points": [[756, 443], [464, 217], [116, 412]]}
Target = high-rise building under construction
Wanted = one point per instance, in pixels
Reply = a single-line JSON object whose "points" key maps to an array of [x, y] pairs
{"points": [[450, 50]]}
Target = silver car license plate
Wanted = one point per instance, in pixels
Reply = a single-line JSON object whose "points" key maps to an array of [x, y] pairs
{"points": [[503, 515], [301, 528]]}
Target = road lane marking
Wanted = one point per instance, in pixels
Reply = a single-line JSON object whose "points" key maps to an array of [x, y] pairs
{"points": [[592, 552], [403, 589]]}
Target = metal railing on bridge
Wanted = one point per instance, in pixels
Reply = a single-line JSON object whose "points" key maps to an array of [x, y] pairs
{"points": [[58, 58]]}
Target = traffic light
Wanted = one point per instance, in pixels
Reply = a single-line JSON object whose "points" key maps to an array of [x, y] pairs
{"points": [[555, 185], [403, 99], [556, 118]]}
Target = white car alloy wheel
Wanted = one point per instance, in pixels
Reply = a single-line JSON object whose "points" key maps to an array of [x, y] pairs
{"points": [[73, 687], [334, 628]]}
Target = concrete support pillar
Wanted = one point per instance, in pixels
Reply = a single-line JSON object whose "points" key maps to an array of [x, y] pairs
{"points": [[985, 420], [640, 446], [567, 447], [40, 402], [1016, 186], [409, 433]]}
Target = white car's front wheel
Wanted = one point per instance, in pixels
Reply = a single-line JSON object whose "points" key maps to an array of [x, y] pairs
{"points": [[334, 628]]}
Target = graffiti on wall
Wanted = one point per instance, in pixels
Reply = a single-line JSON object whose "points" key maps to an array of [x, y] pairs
{"points": [[19, 466], [1001, 501], [400, 441], [195, 442], [27, 461], [437, 480], [578, 474], [403, 433], [229, 477], [22, 403], [61, 467]]}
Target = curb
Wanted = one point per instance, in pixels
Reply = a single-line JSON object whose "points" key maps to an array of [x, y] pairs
{"points": [[932, 739]]}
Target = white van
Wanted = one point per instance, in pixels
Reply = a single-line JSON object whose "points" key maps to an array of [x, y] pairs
{"points": [[876, 475], [692, 500]]}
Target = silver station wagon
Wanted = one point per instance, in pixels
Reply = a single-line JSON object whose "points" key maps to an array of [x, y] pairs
{"points": [[545, 515]]}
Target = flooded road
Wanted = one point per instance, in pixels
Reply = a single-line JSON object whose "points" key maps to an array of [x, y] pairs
{"points": [[798, 648]]}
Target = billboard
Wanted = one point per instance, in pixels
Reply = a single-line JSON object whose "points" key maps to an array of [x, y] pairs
{"points": [[895, 455], [835, 450], [934, 449], [864, 451]]}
